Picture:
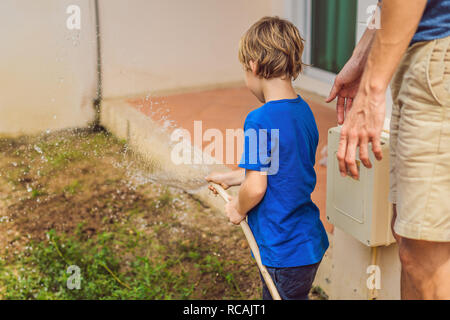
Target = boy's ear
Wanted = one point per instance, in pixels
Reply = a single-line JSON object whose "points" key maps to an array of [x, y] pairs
{"points": [[254, 66]]}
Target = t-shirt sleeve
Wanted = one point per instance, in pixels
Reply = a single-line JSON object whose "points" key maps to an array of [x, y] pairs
{"points": [[256, 152]]}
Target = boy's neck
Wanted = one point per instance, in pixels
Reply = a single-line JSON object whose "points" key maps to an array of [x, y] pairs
{"points": [[278, 89]]}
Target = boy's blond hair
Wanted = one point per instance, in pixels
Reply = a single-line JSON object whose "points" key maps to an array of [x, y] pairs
{"points": [[275, 45]]}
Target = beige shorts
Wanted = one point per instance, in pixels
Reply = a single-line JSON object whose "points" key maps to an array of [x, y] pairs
{"points": [[420, 142]]}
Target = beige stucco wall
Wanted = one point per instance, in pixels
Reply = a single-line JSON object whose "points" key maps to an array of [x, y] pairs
{"points": [[47, 72], [154, 45], [348, 273]]}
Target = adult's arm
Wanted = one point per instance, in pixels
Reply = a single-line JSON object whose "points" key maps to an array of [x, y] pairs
{"points": [[347, 82], [364, 122]]}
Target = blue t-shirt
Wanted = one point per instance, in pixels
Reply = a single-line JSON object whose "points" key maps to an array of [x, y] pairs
{"points": [[281, 138], [435, 22]]}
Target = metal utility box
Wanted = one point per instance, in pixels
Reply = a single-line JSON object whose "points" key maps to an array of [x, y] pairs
{"points": [[360, 207]]}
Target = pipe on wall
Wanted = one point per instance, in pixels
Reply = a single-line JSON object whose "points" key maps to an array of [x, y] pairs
{"points": [[98, 99]]}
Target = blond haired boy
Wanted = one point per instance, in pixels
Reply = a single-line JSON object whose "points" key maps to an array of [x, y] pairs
{"points": [[277, 175]]}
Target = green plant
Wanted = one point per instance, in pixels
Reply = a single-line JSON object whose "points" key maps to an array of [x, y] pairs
{"points": [[319, 293], [41, 272], [35, 193], [73, 187]]}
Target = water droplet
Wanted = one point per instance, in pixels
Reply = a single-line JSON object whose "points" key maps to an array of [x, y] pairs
{"points": [[38, 150]]}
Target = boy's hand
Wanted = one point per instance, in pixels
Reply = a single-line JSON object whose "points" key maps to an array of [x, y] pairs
{"points": [[219, 178], [232, 212]]}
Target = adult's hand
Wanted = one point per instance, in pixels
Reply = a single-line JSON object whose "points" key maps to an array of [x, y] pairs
{"points": [[345, 87], [364, 121], [363, 124], [347, 81]]}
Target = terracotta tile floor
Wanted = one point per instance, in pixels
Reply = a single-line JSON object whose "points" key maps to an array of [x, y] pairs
{"points": [[226, 109]]}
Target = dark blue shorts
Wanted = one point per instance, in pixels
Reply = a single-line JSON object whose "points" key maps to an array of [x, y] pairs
{"points": [[292, 283]]}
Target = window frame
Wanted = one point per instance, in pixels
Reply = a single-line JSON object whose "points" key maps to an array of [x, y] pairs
{"points": [[300, 13]]}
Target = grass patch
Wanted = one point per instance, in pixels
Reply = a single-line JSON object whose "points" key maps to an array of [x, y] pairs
{"points": [[35, 193], [41, 272], [73, 187], [70, 203]]}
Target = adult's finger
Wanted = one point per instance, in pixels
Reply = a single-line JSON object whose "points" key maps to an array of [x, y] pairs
{"points": [[348, 104], [340, 109], [342, 150], [376, 147], [364, 152], [350, 157], [334, 92]]}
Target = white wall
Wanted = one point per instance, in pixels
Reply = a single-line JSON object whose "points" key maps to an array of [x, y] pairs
{"points": [[349, 269], [153, 45], [47, 72]]}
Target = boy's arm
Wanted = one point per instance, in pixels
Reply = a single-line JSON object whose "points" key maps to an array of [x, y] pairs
{"points": [[227, 179], [250, 194], [252, 191]]}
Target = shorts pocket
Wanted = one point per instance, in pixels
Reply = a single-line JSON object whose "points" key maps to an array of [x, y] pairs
{"points": [[438, 71]]}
